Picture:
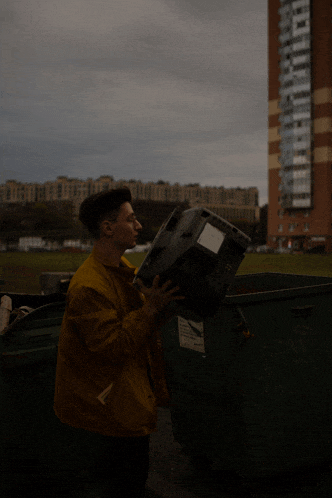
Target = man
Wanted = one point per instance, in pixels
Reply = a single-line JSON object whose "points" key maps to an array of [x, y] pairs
{"points": [[109, 379]]}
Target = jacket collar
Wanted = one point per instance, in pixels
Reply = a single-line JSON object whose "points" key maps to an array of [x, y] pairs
{"points": [[124, 264]]}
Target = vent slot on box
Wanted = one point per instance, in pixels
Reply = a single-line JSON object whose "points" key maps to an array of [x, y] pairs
{"points": [[154, 254], [171, 224]]}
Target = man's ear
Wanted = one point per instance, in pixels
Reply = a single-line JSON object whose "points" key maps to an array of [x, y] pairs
{"points": [[106, 228]]}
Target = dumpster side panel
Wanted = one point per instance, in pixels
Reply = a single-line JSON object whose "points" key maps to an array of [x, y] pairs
{"points": [[286, 381], [198, 392], [27, 376], [260, 404]]}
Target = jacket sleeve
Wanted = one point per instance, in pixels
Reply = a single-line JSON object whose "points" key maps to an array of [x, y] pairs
{"points": [[104, 328]]}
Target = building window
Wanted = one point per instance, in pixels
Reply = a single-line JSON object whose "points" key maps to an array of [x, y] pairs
{"points": [[306, 227], [301, 95], [280, 228], [288, 84], [281, 213], [301, 24], [291, 227], [304, 65], [301, 152]]}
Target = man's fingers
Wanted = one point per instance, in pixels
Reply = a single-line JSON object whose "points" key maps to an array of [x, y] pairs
{"points": [[166, 284], [172, 298], [155, 282], [165, 295], [140, 284], [174, 289]]}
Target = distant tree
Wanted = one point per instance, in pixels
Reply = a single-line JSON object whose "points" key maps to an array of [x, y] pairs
{"points": [[37, 219], [152, 214], [257, 230], [245, 226], [262, 227]]}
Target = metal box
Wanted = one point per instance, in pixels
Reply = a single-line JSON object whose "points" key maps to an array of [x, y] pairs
{"points": [[200, 252]]}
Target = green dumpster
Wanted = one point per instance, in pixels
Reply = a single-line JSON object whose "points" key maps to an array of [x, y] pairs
{"points": [[28, 425], [251, 386]]}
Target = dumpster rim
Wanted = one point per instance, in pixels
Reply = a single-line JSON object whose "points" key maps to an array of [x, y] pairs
{"points": [[279, 294]]}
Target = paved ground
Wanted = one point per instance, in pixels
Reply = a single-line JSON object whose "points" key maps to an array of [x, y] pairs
{"points": [[172, 475]]}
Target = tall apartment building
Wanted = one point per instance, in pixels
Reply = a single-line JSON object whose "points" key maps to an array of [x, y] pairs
{"points": [[300, 124], [237, 203]]}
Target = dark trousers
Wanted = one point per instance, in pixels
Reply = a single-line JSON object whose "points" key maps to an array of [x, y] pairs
{"points": [[98, 466]]}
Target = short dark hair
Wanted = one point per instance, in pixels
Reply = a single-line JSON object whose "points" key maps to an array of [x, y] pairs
{"points": [[98, 207]]}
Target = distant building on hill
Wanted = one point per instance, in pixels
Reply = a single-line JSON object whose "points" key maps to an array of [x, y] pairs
{"points": [[231, 203]]}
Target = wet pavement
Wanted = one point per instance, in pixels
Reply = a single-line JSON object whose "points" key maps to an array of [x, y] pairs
{"points": [[173, 475]]}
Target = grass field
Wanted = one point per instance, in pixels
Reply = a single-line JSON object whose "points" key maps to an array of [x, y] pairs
{"points": [[21, 271]]}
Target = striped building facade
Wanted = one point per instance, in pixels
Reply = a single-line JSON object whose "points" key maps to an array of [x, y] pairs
{"points": [[300, 124]]}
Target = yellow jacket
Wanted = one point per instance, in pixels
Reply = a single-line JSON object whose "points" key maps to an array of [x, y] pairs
{"points": [[107, 338]]}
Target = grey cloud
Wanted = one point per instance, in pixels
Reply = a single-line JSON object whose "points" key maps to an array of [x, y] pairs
{"points": [[177, 93]]}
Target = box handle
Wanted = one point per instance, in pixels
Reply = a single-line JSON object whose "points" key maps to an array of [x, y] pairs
{"points": [[242, 326]]}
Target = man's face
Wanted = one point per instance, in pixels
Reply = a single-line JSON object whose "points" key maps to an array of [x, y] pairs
{"points": [[125, 229]]}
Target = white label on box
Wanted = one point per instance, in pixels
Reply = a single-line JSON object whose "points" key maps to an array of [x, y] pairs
{"points": [[191, 334], [211, 238]]}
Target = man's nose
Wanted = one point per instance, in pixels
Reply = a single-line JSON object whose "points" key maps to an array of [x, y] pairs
{"points": [[138, 225]]}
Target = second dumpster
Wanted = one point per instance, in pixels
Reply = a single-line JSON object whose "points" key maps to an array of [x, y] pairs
{"points": [[251, 386]]}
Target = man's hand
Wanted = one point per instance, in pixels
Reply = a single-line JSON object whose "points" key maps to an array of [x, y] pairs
{"points": [[157, 298]]}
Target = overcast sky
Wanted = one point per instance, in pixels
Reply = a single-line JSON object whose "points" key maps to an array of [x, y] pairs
{"points": [[145, 89]]}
